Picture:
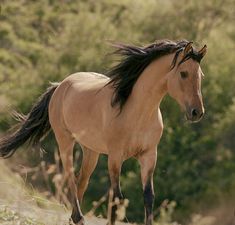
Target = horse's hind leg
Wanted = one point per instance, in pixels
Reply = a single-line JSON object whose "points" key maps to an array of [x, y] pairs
{"points": [[66, 144], [89, 163]]}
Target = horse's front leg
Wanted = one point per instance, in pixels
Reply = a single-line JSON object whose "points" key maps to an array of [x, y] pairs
{"points": [[114, 167], [147, 162]]}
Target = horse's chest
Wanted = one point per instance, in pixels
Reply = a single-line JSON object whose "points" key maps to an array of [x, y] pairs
{"points": [[139, 139]]}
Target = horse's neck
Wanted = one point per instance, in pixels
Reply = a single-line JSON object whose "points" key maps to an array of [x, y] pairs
{"points": [[150, 88]]}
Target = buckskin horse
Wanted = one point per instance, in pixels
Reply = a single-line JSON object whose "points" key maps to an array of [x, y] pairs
{"points": [[117, 115]]}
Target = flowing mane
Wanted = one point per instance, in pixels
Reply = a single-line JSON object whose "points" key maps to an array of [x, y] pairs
{"points": [[135, 59]]}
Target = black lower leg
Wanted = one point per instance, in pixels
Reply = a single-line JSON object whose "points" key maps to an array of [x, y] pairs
{"points": [[76, 213], [148, 202]]}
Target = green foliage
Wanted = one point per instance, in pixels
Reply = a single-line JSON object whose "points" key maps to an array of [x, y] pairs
{"points": [[42, 41]]}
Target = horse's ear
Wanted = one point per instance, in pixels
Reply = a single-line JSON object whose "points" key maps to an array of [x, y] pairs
{"points": [[188, 48], [203, 51]]}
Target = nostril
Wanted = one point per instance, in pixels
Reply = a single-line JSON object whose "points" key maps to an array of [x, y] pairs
{"points": [[194, 112]]}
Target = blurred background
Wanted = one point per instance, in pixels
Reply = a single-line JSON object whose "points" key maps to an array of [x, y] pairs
{"points": [[46, 40]]}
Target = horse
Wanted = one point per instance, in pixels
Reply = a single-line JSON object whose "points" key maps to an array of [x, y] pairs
{"points": [[117, 114]]}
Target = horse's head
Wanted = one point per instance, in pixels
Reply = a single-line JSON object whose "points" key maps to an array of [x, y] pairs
{"points": [[184, 82]]}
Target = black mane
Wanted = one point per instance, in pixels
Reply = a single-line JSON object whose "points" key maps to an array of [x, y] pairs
{"points": [[135, 59]]}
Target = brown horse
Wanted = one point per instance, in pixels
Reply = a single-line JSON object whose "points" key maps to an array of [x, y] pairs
{"points": [[117, 115]]}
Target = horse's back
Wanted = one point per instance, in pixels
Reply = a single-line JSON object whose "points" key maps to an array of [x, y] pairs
{"points": [[87, 80]]}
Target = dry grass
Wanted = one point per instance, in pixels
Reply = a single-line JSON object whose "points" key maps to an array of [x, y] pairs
{"points": [[21, 205]]}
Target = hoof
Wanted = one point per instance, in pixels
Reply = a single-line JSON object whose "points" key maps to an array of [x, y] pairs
{"points": [[81, 222]]}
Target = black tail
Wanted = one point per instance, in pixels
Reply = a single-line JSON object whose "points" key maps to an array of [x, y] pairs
{"points": [[32, 127]]}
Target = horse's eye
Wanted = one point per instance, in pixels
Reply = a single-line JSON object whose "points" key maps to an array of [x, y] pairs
{"points": [[184, 75]]}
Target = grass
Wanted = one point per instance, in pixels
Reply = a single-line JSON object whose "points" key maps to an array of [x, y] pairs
{"points": [[22, 205]]}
